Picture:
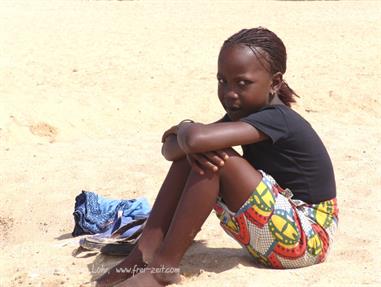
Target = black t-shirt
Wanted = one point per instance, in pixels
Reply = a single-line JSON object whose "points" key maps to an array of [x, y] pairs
{"points": [[294, 155]]}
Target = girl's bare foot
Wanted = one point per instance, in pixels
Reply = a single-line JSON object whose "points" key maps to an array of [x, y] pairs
{"points": [[129, 267], [152, 277]]}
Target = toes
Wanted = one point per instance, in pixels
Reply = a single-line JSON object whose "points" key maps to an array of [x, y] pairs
{"points": [[110, 279], [144, 279]]}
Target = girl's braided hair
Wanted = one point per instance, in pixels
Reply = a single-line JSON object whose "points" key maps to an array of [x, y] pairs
{"points": [[266, 46]]}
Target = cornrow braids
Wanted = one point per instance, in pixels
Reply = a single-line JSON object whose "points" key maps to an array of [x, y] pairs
{"points": [[270, 52]]}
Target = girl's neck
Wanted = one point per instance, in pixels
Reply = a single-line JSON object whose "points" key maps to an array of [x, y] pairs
{"points": [[276, 101]]}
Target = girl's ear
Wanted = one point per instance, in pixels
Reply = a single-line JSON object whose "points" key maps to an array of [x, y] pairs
{"points": [[277, 82]]}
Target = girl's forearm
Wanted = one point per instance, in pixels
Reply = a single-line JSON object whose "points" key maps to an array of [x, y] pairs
{"points": [[171, 149]]}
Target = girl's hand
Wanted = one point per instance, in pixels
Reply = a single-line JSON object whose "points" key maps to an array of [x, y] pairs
{"points": [[200, 162], [170, 131], [173, 130]]}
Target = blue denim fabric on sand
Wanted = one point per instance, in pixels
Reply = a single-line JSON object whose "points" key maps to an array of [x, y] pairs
{"points": [[94, 213]]}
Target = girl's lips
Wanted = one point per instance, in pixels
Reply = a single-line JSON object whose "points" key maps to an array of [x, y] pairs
{"points": [[233, 109]]}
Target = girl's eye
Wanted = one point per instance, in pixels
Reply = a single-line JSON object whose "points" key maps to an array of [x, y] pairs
{"points": [[220, 81], [242, 83]]}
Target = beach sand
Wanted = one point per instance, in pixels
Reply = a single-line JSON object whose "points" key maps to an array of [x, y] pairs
{"points": [[88, 87]]}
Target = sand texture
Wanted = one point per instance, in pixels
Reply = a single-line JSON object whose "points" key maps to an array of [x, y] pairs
{"points": [[88, 87]]}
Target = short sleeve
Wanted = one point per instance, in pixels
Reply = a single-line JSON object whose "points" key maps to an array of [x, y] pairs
{"points": [[271, 121]]}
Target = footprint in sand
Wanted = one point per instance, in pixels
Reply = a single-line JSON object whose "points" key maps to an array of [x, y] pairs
{"points": [[44, 130], [6, 224], [40, 129]]}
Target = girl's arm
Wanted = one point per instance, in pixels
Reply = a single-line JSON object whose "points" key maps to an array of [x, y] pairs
{"points": [[197, 138], [171, 149]]}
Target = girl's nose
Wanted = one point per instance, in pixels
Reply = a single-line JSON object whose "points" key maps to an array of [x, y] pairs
{"points": [[231, 94]]}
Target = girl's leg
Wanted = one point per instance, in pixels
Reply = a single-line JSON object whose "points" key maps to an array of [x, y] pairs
{"points": [[156, 226], [163, 209], [235, 181]]}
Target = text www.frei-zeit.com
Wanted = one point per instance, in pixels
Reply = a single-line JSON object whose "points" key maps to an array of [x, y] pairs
{"points": [[136, 269]]}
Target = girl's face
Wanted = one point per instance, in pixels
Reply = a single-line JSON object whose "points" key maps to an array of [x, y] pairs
{"points": [[244, 84]]}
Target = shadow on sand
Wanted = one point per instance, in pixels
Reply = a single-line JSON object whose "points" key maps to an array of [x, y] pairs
{"points": [[199, 258], [64, 236]]}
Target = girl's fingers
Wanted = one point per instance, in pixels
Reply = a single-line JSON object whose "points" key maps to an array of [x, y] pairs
{"points": [[214, 158], [204, 162], [172, 130], [223, 155], [165, 135], [194, 164], [208, 160]]}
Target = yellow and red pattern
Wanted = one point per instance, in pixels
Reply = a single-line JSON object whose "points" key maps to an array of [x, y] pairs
{"points": [[261, 204], [291, 242], [287, 237]]}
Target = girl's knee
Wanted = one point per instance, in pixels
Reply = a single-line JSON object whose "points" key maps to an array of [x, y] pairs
{"points": [[180, 167], [235, 161]]}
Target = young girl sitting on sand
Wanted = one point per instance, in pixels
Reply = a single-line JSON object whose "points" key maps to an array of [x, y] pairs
{"points": [[278, 200]]}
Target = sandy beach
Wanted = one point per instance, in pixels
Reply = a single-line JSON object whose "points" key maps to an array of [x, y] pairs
{"points": [[88, 87]]}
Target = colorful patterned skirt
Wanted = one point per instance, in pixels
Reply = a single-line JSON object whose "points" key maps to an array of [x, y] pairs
{"points": [[280, 232]]}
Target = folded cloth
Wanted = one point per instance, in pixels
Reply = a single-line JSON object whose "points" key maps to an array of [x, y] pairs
{"points": [[94, 213], [122, 236]]}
